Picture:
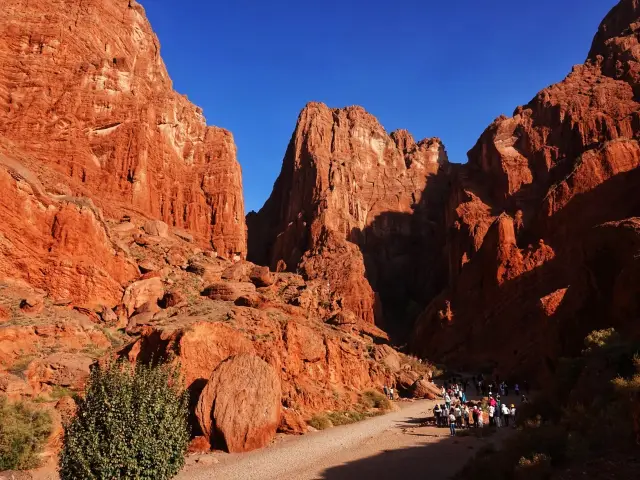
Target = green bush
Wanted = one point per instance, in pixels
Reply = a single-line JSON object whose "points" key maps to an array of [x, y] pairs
{"points": [[132, 424], [320, 421], [24, 431], [374, 399]]}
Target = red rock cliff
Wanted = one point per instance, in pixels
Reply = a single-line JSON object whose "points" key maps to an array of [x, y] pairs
{"points": [[543, 243], [349, 207], [85, 95]]}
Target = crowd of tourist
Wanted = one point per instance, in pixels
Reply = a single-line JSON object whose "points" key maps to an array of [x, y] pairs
{"points": [[456, 411]]}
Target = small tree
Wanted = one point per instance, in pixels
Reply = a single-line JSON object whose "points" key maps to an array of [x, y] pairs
{"points": [[132, 424], [24, 431]]}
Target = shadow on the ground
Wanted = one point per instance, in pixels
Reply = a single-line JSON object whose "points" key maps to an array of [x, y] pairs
{"points": [[436, 461]]}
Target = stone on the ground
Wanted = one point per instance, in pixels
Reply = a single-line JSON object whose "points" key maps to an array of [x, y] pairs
{"points": [[239, 408]]}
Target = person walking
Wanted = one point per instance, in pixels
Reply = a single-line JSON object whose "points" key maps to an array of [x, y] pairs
{"points": [[497, 416], [474, 416], [465, 415], [447, 401], [492, 411], [517, 389], [506, 414], [436, 414], [452, 424], [386, 391], [458, 413], [391, 393], [513, 414]]}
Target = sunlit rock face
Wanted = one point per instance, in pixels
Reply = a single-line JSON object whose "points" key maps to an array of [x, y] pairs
{"points": [[86, 100], [350, 207]]}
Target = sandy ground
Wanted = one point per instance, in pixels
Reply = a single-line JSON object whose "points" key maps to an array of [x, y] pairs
{"points": [[395, 445]]}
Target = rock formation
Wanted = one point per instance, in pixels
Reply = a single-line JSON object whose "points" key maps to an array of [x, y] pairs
{"points": [[543, 244], [87, 107], [239, 408], [349, 208]]}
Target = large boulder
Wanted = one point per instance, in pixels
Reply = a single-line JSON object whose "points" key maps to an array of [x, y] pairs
{"points": [[229, 291], [405, 380], [156, 228], [141, 292], [261, 276], [423, 388], [239, 409]]}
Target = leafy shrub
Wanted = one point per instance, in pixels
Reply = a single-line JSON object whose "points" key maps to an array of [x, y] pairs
{"points": [[345, 418], [374, 399], [24, 431], [601, 339], [132, 423], [320, 421]]}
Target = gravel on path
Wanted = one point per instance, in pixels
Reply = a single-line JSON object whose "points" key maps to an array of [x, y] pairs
{"points": [[388, 446]]}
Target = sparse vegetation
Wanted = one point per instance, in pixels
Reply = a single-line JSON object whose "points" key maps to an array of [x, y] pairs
{"points": [[320, 421], [373, 399], [132, 423], [24, 430], [21, 364]]}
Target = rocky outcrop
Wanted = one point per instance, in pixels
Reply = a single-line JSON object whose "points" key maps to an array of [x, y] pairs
{"points": [[239, 408], [349, 208], [86, 98], [542, 244]]}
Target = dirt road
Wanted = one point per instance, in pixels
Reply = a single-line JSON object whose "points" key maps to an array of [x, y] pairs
{"points": [[395, 445]]}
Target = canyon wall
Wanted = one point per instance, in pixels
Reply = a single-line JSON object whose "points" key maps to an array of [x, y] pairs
{"points": [[516, 255], [86, 100], [350, 207], [543, 239]]}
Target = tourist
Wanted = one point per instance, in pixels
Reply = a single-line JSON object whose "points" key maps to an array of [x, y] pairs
{"points": [[391, 393], [458, 413], [447, 401], [436, 414], [492, 411], [452, 423], [386, 391], [474, 416], [465, 415], [513, 414], [506, 413], [506, 389], [480, 419], [497, 416], [517, 389], [463, 397]]}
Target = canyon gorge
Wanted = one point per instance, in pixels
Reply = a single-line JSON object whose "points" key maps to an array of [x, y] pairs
{"points": [[123, 231]]}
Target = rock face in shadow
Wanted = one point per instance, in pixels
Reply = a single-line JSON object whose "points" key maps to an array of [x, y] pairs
{"points": [[344, 208], [86, 102], [542, 236]]}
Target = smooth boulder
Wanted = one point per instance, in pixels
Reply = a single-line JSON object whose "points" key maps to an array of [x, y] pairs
{"points": [[239, 408]]}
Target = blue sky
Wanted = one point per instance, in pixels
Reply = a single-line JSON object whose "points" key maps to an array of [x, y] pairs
{"points": [[436, 68]]}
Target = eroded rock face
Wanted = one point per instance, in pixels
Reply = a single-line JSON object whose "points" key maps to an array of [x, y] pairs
{"points": [[543, 243], [86, 98], [349, 208], [239, 409]]}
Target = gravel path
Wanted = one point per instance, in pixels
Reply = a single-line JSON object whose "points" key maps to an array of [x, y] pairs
{"points": [[390, 446]]}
